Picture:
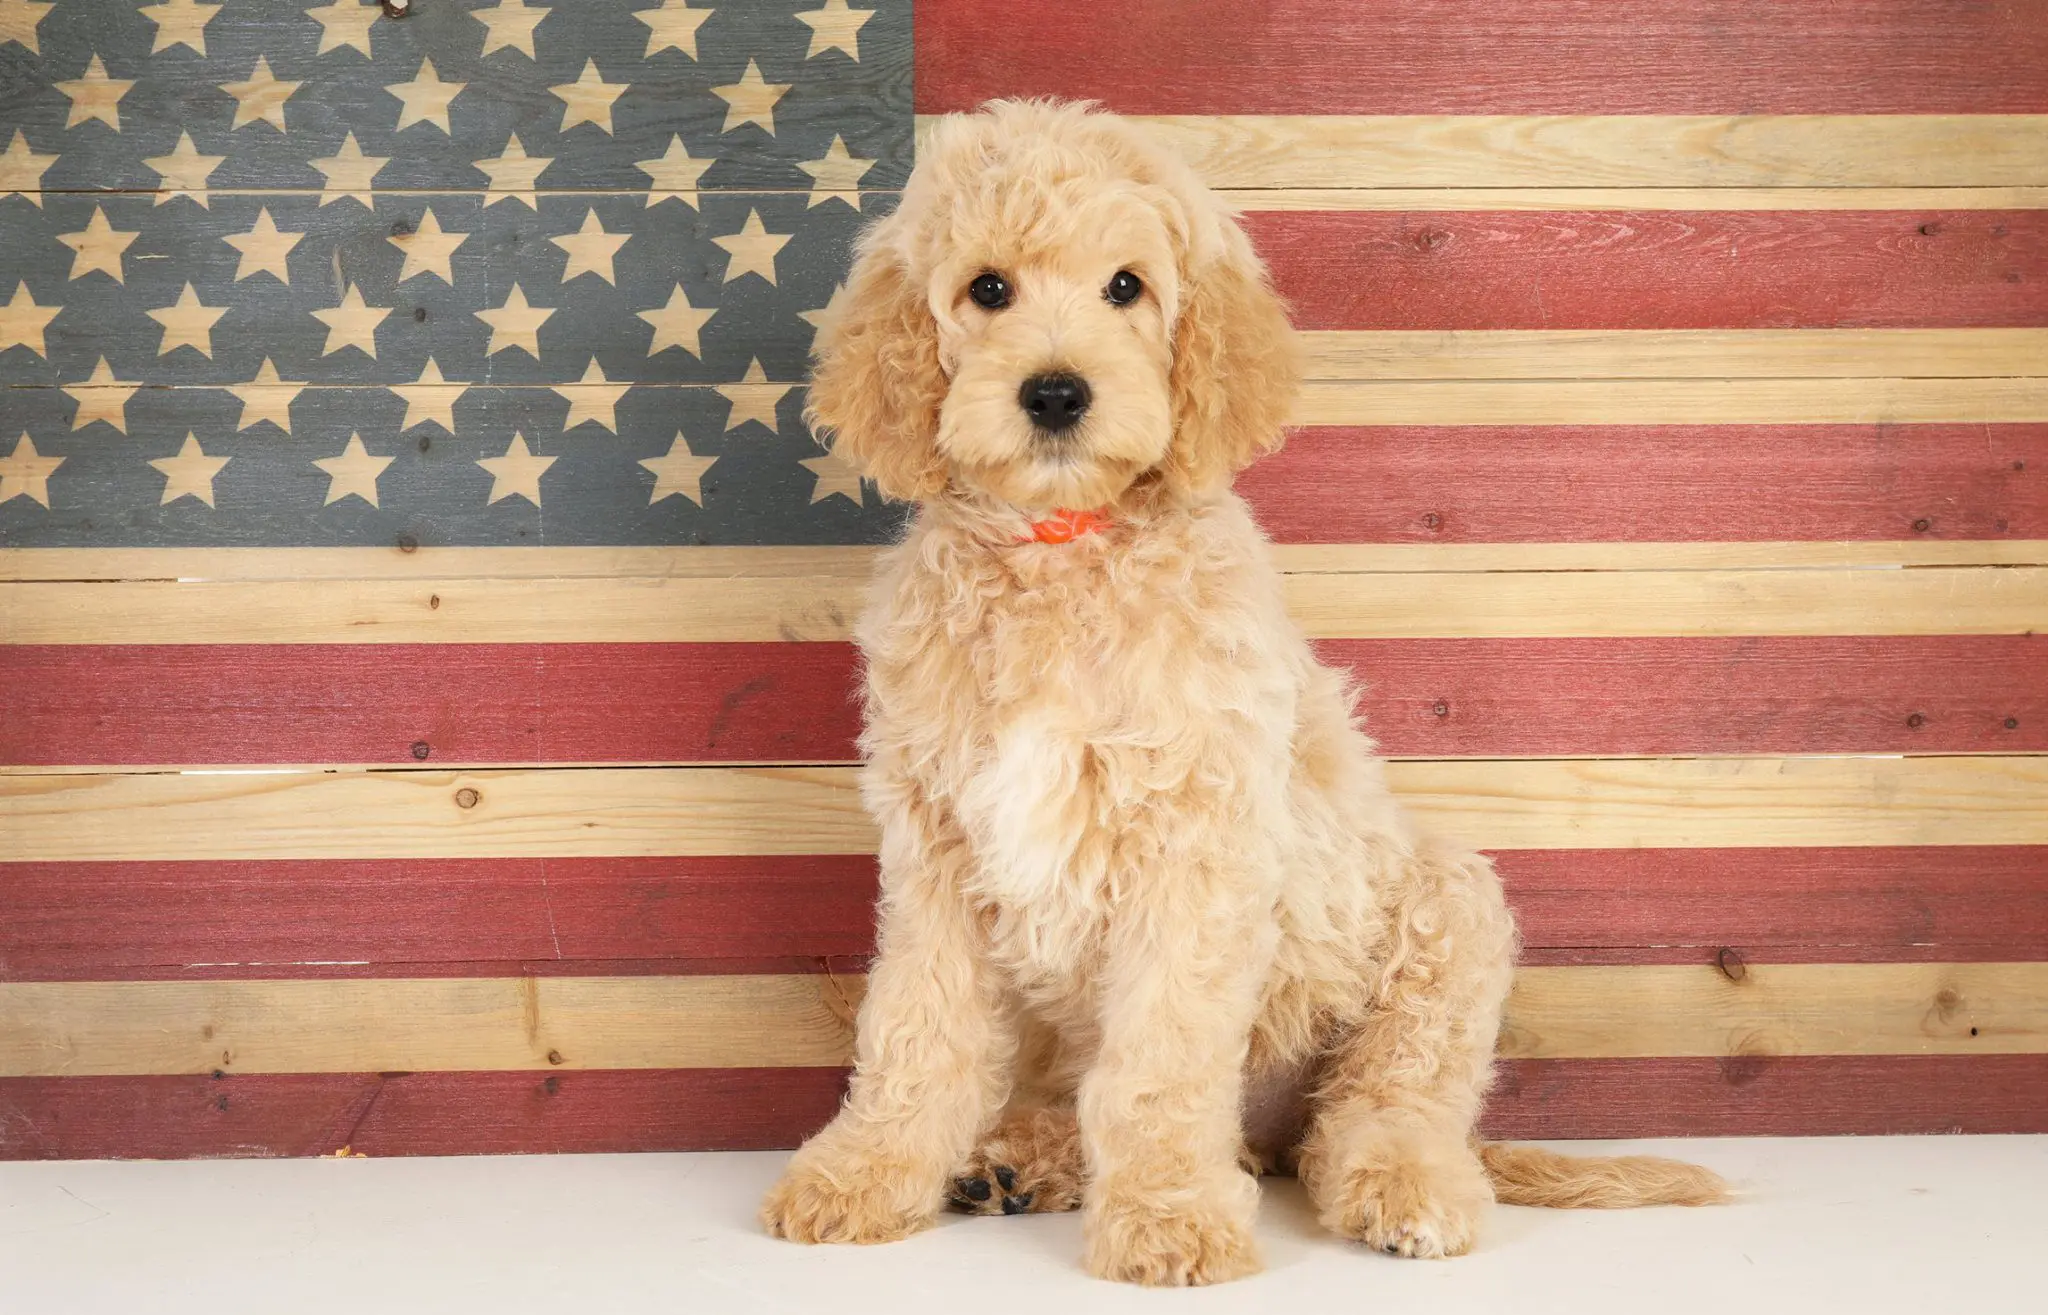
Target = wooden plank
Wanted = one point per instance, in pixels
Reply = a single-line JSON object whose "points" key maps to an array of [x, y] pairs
{"points": [[1637, 150], [1777, 1009], [663, 92], [1448, 484], [1473, 57], [79, 1029], [84, 1029], [1674, 353], [1767, 269], [75, 707], [378, 1114], [1775, 1095], [283, 918], [1673, 401], [1365, 196], [647, 812], [430, 269], [1822, 601], [441, 1113], [438, 562]]}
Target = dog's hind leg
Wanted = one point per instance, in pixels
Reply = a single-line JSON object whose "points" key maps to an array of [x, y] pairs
{"points": [[1388, 1159]]}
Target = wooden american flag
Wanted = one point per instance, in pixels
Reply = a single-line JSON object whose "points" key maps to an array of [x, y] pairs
{"points": [[424, 696]]}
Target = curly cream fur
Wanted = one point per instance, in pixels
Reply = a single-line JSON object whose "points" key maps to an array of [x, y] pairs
{"points": [[1138, 859]]}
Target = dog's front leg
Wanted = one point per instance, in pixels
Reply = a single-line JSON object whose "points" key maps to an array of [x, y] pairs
{"points": [[933, 1056], [1168, 1202]]}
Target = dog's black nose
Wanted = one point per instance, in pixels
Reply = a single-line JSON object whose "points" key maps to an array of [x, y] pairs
{"points": [[1054, 401]]}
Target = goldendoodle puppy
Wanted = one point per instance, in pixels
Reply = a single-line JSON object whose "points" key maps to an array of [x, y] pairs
{"points": [[1149, 917]]}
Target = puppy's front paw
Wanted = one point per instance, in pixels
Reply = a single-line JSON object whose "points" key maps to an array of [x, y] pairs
{"points": [[1133, 1242], [1030, 1164], [1407, 1208], [847, 1199]]}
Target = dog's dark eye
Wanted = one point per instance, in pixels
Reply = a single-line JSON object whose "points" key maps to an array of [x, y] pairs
{"points": [[1123, 288], [990, 291]]}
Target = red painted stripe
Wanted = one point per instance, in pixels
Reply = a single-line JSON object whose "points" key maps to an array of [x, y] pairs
{"points": [[616, 916], [1653, 483], [740, 1109], [174, 703], [412, 1113], [1666, 269], [87, 706], [1483, 57]]}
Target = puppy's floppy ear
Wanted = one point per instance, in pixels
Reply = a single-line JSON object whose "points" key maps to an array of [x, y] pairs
{"points": [[1236, 362], [876, 385]]}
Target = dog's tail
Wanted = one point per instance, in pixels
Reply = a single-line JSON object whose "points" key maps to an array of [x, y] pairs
{"points": [[1530, 1175]]}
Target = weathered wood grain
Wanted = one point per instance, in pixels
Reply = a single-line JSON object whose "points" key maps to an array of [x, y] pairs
{"points": [[81, 707], [590, 1111], [1673, 401], [83, 1029], [1756, 269], [438, 562], [365, 918], [1430, 353], [1847, 601], [1365, 196], [1439, 484], [505, 92], [1641, 150], [654, 811], [1476, 57]]}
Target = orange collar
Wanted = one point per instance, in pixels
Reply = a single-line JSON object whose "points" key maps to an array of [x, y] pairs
{"points": [[1065, 526]]}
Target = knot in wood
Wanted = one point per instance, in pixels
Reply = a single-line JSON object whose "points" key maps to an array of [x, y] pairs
{"points": [[1731, 964], [466, 798]]}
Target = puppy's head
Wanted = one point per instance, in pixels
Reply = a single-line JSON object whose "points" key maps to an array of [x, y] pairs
{"points": [[1058, 311]]}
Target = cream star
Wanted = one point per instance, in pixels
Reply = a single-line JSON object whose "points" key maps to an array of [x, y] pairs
{"points": [[264, 248], [94, 95], [593, 398], [426, 98], [349, 172], [588, 99], [354, 473], [428, 250], [344, 23], [822, 316], [839, 171], [187, 323], [98, 246], [511, 24], [18, 19], [750, 100], [512, 174], [22, 322], [672, 27], [180, 23], [266, 398], [517, 473], [262, 97], [429, 399], [677, 324], [190, 473], [753, 249], [515, 324], [183, 172], [591, 249], [834, 476], [352, 324], [753, 398], [679, 472], [101, 397], [675, 174], [835, 27], [22, 170], [26, 472]]}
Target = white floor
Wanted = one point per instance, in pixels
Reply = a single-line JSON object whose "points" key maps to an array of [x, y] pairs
{"points": [[1948, 1225]]}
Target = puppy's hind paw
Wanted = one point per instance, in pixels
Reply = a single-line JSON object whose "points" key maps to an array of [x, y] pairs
{"points": [[1030, 1164]]}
